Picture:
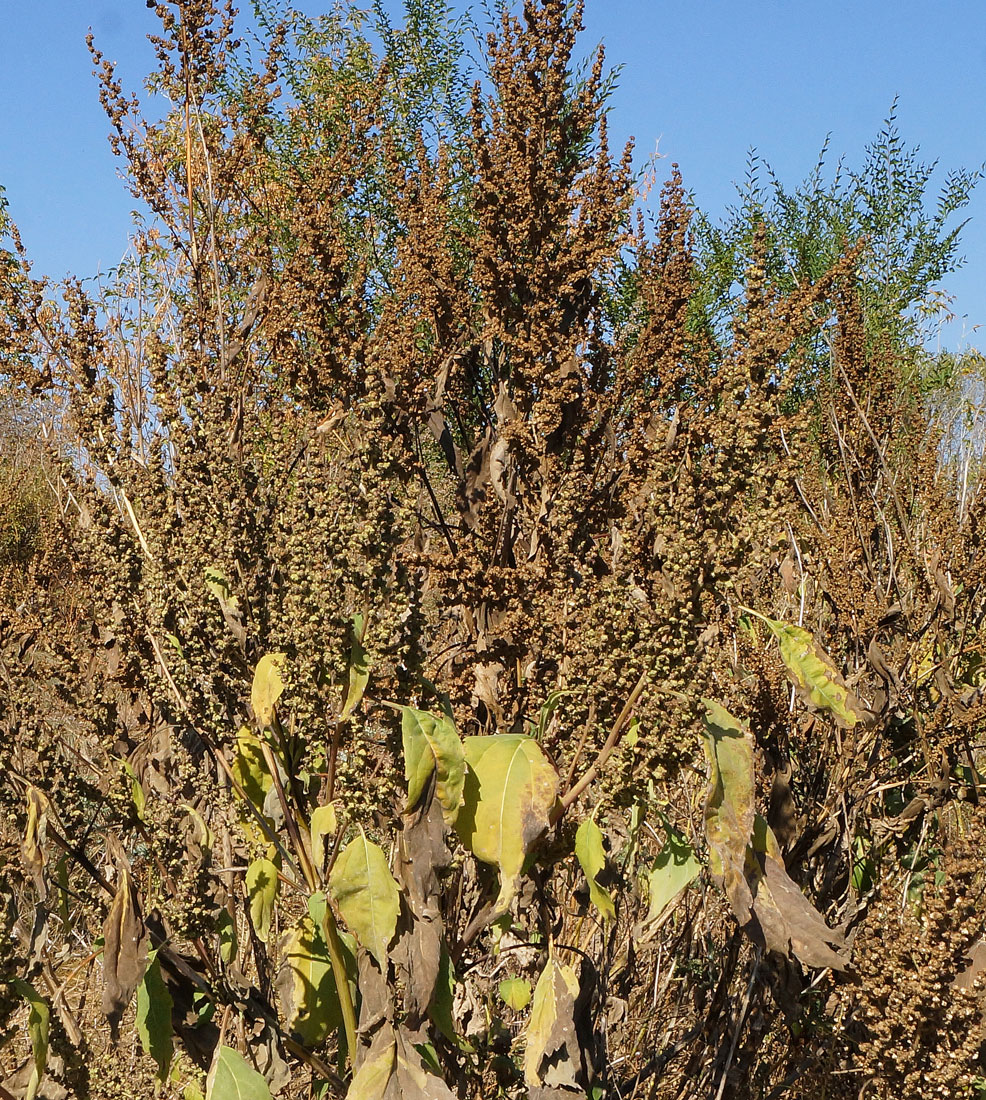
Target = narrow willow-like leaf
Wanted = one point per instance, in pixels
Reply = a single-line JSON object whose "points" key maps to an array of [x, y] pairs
{"points": [[38, 1026], [268, 684], [510, 790], [359, 669], [551, 1031], [367, 896], [515, 993], [233, 1078], [592, 859], [154, 1027], [262, 884], [432, 744]]}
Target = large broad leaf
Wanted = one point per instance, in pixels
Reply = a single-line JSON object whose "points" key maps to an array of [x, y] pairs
{"points": [[432, 744], [509, 793], [814, 675], [674, 868], [367, 896], [125, 943], [394, 1070], [250, 767], [359, 669], [268, 684], [154, 1027], [592, 858], [729, 809], [306, 984], [552, 1054], [262, 884], [38, 1025], [233, 1078]]}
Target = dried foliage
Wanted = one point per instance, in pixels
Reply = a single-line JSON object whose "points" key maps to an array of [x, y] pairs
{"points": [[406, 521]]}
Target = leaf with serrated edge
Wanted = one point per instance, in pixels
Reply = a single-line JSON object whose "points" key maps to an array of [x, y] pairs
{"points": [[261, 884], [510, 790], [368, 898], [268, 684], [552, 1025], [729, 810], [38, 1026], [154, 1028], [233, 1078], [431, 743], [592, 859]]}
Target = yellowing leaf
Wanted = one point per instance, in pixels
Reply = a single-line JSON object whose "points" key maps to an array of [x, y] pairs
{"points": [[509, 792], [729, 810], [515, 993], [261, 884], [359, 669], [367, 896], [674, 868], [373, 1076], [592, 858], [323, 825], [250, 768], [38, 1024], [233, 1078], [431, 744], [552, 1045], [268, 684], [125, 942], [154, 1028], [306, 985], [33, 845]]}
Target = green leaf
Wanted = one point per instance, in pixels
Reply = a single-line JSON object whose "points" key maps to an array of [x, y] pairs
{"points": [[729, 810], [262, 885], [367, 895], [359, 669], [38, 1024], [592, 858], [306, 985], [268, 684], [226, 928], [813, 673], [431, 743], [551, 1034], [510, 790], [373, 1076], [675, 867], [515, 993], [154, 1006], [323, 825], [233, 1078], [250, 768]]}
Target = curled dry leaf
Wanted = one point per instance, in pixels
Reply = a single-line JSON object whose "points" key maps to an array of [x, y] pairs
{"points": [[125, 944], [552, 1053]]}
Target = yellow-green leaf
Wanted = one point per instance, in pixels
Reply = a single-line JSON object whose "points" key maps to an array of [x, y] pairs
{"points": [[515, 993], [306, 985], [268, 684], [592, 858], [359, 669], [673, 870], [33, 845], [551, 1034], [510, 790], [368, 898], [261, 884], [729, 809], [373, 1076], [154, 1029], [38, 1024], [432, 744], [323, 825], [250, 768], [233, 1078]]}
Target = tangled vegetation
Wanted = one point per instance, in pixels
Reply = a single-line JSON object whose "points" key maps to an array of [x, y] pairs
{"points": [[455, 645]]}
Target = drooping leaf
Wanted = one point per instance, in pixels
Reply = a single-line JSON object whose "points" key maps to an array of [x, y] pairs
{"points": [[729, 809], [592, 859], [250, 768], [323, 825], [373, 1076], [233, 1078], [33, 845], [268, 684], [813, 673], [154, 1026], [125, 943], [394, 1070], [552, 1053], [675, 867], [359, 669], [38, 1026], [226, 929], [510, 790], [306, 985], [432, 744], [515, 993], [262, 884], [367, 895]]}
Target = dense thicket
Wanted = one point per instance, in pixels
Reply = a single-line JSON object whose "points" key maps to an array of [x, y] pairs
{"points": [[453, 644]]}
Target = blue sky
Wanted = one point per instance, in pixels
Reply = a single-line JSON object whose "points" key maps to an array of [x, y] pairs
{"points": [[701, 82]]}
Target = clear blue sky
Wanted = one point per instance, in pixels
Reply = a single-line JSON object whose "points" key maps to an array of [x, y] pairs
{"points": [[702, 81]]}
